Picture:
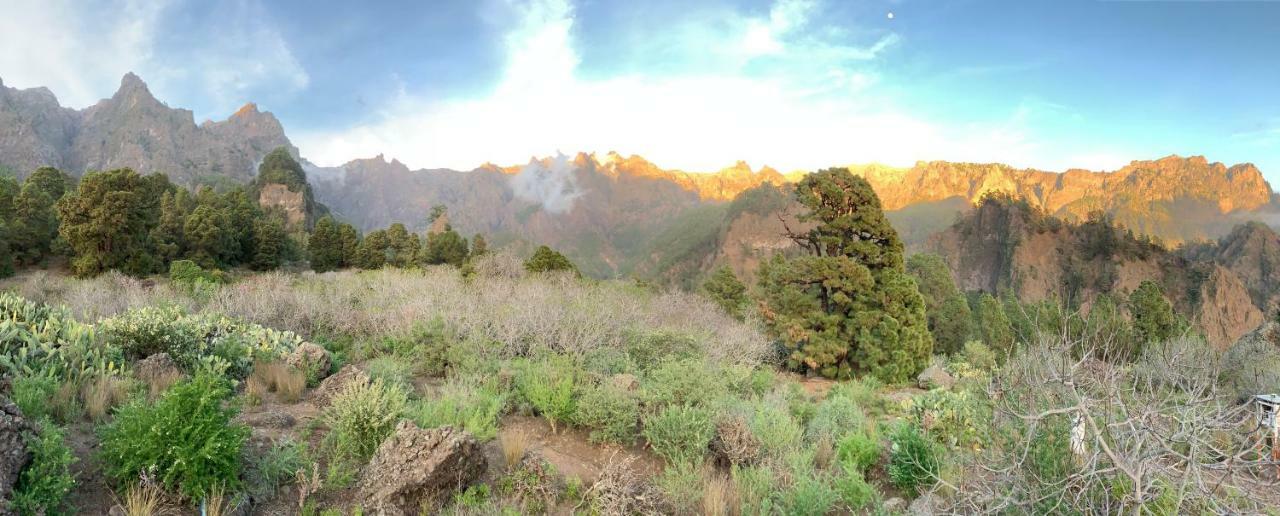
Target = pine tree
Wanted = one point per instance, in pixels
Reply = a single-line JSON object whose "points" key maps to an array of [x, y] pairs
{"points": [[546, 259], [727, 291], [269, 239], [167, 235], [446, 247], [478, 245], [107, 221], [348, 242], [950, 320], [209, 240], [6, 254], [35, 224], [401, 249], [846, 307], [371, 253], [9, 189], [326, 246], [1153, 317], [994, 324]]}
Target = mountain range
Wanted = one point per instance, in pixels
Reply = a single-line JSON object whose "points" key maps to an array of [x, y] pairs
{"points": [[614, 215]]}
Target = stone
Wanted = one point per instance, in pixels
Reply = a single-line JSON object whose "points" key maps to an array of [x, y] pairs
{"points": [[311, 357], [325, 392], [13, 449], [269, 419], [416, 470], [935, 377], [626, 382], [926, 505], [894, 505], [159, 365]]}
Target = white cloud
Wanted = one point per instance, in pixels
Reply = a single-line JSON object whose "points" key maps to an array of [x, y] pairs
{"points": [[80, 52], [765, 113]]}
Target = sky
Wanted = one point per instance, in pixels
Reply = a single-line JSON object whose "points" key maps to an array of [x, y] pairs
{"points": [[793, 84]]}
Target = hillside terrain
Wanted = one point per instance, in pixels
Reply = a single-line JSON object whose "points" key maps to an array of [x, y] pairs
{"points": [[614, 215]]}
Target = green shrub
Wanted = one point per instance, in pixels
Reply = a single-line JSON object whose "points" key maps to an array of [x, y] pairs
{"points": [[680, 433], [277, 467], [145, 331], [32, 395], [648, 348], [858, 450], [681, 485], [610, 412], [779, 433], [43, 485], [549, 386], [196, 342], [864, 392], [607, 362], [187, 438], [392, 371], [979, 356], [835, 417], [685, 382], [361, 416], [757, 488], [853, 488], [958, 417], [468, 404], [188, 274], [913, 460], [809, 495]]}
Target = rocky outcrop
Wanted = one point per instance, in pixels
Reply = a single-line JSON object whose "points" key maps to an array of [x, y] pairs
{"points": [[332, 385], [935, 377], [132, 129], [13, 449], [311, 357], [1225, 310], [414, 470]]}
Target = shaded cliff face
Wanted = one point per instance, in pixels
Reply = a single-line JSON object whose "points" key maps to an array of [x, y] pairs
{"points": [[132, 129], [1009, 246], [292, 204]]}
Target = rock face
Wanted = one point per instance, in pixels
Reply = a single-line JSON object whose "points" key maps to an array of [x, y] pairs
{"points": [[935, 377], [13, 449], [132, 129], [415, 469], [1006, 245], [159, 365], [311, 357], [333, 384]]}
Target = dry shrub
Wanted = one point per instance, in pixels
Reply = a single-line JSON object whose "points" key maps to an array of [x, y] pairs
{"points": [[823, 452], [515, 445], [103, 393], [523, 314], [734, 443], [718, 494], [276, 376], [255, 389], [143, 499], [216, 503], [160, 382], [620, 491]]}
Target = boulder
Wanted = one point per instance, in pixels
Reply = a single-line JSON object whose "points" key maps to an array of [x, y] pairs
{"points": [[935, 377], [926, 505], [269, 419], [13, 449], [625, 382], [311, 357], [334, 383], [415, 470], [157, 366]]}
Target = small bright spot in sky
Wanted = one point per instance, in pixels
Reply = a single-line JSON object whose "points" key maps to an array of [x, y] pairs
{"points": [[890, 15]]}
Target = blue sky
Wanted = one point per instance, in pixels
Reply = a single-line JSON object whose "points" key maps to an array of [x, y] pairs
{"points": [[794, 84]]}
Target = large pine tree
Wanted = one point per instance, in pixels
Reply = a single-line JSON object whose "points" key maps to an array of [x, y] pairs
{"points": [[847, 306]]}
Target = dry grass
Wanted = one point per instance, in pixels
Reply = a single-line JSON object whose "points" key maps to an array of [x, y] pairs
{"points": [[515, 445], [216, 503], [141, 500], [524, 314], [276, 376], [255, 389], [719, 497], [102, 394], [158, 383], [824, 452]]}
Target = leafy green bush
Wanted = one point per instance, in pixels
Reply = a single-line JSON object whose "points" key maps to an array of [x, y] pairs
{"points": [[653, 347], [979, 356], [835, 417], [43, 485], [913, 460], [361, 416], [756, 488], [685, 382], [853, 488], [681, 485], [195, 342], [187, 438], [610, 412], [957, 417], [858, 450], [391, 371], [473, 405], [680, 433], [809, 495], [188, 274], [276, 467], [32, 395], [779, 433], [549, 386]]}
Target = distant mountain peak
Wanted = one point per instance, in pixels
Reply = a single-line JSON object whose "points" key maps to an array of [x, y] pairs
{"points": [[249, 109], [131, 84]]}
